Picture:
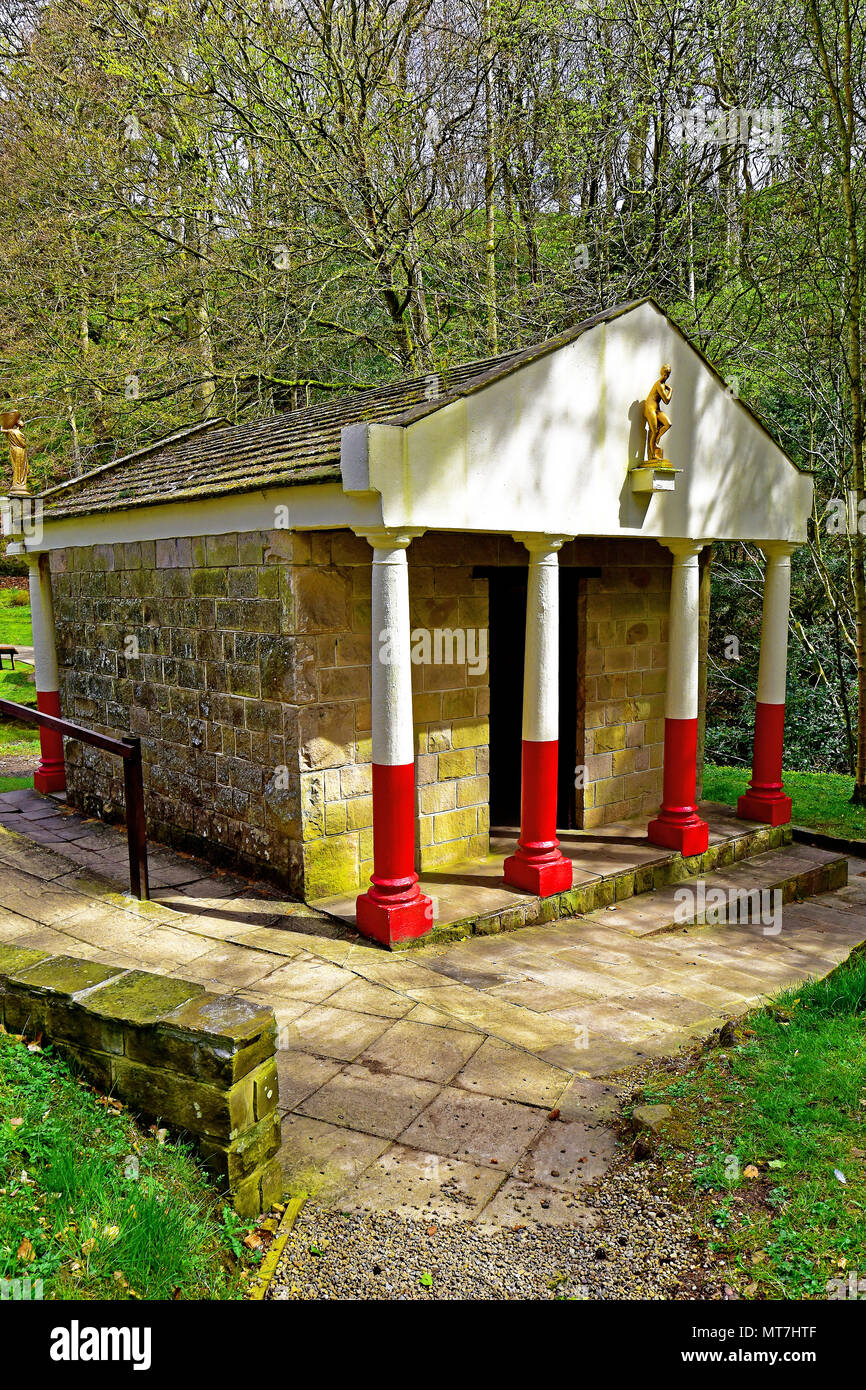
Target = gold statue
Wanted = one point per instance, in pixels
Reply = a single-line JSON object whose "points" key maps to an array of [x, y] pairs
{"points": [[10, 423], [657, 422]]}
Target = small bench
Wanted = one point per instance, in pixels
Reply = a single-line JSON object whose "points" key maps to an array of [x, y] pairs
{"points": [[11, 652]]}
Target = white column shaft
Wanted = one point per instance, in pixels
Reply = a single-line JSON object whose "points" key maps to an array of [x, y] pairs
{"points": [[681, 694], [42, 618], [774, 627], [541, 661], [393, 738]]}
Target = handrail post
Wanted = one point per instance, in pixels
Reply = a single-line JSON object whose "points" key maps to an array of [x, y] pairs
{"points": [[129, 750], [136, 830]]}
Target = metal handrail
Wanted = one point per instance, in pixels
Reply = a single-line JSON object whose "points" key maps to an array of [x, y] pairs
{"points": [[129, 749]]}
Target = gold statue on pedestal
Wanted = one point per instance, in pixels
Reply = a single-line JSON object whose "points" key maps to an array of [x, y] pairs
{"points": [[10, 423], [657, 422]]}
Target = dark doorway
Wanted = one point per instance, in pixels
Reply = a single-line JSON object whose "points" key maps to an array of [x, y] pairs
{"points": [[507, 593]]}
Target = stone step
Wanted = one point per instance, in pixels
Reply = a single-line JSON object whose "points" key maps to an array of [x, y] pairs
{"points": [[749, 891], [609, 868]]}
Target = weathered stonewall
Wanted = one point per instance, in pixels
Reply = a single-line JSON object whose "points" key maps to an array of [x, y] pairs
{"points": [[201, 1063]]}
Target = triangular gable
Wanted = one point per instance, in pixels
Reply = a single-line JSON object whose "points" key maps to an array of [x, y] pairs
{"points": [[547, 444]]}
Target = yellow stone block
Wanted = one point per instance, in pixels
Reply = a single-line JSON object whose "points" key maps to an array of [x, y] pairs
{"points": [[427, 707], [608, 740], [356, 780], [453, 825], [609, 792], [471, 791], [335, 817], [470, 733], [438, 855], [438, 796], [359, 812], [330, 866], [623, 761], [457, 704], [458, 763]]}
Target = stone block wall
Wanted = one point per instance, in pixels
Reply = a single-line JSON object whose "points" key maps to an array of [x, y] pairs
{"points": [[243, 663], [331, 589], [189, 644], [202, 1063], [624, 643]]}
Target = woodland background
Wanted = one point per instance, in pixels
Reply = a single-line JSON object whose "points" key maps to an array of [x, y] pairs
{"points": [[233, 209]]}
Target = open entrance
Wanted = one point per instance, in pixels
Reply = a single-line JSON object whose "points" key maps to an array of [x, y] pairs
{"points": [[507, 595]]}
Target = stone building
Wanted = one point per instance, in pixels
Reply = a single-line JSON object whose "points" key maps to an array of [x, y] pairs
{"points": [[354, 637]]}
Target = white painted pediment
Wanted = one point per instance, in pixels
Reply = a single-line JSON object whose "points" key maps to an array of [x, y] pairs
{"points": [[548, 447]]}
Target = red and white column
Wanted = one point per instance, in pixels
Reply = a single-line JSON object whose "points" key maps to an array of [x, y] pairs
{"points": [[765, 799], [538, 865], [393, 909], [50, 776], [678, 825]]}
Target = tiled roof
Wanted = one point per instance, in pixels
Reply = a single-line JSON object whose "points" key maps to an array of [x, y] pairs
{"points": [[299, 446]]}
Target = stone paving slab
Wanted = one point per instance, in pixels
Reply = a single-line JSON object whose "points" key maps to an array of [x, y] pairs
{"points": [[568, 1153], [357, 1099], [363, 997], [475, 1128], [497, 1069], [422, 1050], [300, 1074], [411, 1182], [324, 1158], [337, 1032], [520, 1203]]}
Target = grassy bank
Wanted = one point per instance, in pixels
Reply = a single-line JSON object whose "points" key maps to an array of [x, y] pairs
{"points": [[97, 1207], [17, 740], [821, 799], [15, 629], [767, 1136]]}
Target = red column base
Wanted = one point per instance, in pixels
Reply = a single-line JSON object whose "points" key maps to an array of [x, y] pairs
{"points": [[772, 810], [765, 798], [689, 836], [543, 876], [678, 825], [50, 775], [390, 922], [48, 778]]}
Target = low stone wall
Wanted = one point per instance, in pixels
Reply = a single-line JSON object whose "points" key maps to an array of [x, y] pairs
{"points": [[200, 1062]]}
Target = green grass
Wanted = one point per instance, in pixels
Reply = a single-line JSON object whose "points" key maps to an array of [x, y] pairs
{"points": [[15, 631], [789, 1100], [96, 1207], [18, 685], [15, 627], [821, 799], [17, 738]]}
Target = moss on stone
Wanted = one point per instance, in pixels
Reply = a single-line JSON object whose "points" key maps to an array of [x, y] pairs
{"points": [[16, 958], [330, 866], [64, 975], [140, 997]]}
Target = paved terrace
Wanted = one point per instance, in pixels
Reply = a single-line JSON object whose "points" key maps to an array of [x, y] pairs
{"points": [[421, 1080]]}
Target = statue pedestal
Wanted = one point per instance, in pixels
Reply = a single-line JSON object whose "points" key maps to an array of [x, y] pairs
{"points": [[657, 476]]}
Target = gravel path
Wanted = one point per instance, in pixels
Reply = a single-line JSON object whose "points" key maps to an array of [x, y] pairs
{"points": [[19, 766], [641, 1248]]}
